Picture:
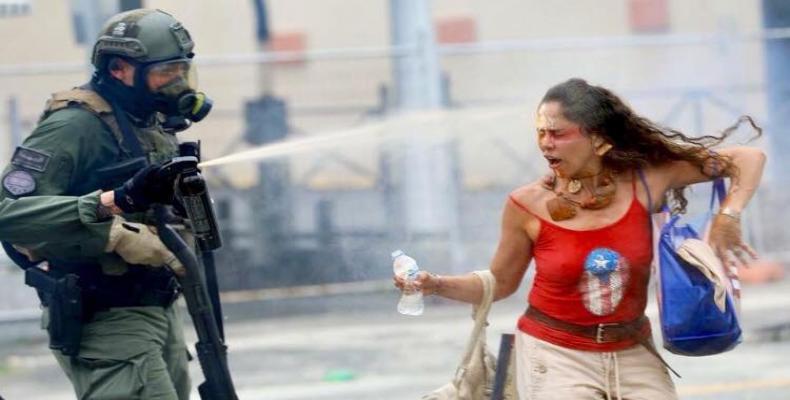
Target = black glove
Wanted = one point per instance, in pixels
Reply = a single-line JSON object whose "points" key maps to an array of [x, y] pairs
{"points": [[146, 187]]}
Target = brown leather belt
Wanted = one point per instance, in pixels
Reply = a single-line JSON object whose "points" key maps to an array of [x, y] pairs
{"points": [[602, 333]]}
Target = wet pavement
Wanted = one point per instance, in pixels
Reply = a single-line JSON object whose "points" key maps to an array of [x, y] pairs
{"points": [[358, 347]]}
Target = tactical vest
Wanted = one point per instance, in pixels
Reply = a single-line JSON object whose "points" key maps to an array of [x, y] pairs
{"points": [[110, 176], [157, 146], [90, 101]]}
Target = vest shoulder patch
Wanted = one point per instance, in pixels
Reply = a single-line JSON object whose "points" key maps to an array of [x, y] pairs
{"points": [[32, 159], [19, 183]]}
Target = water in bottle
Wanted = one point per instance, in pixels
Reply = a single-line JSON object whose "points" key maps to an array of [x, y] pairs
{"points": [[406, 267]]}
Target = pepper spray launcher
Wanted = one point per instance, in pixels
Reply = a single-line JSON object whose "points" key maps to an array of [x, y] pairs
{"points": [[191, 190], [199, 284]]}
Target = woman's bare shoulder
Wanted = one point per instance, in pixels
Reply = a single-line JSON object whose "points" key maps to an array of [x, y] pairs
{"points": [[530, 195]]}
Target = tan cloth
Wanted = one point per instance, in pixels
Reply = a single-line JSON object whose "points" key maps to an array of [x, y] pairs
{"points": [[546, 371], [475, 375], [701, 255]]}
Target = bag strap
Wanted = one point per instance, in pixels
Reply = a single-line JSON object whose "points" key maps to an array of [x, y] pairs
{"points": [[129, 137], [489, 284], [481, 319], [650, 212], [647, 190], [719, 191]]}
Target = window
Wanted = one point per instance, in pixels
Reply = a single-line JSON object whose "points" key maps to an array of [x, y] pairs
{"points": [[290, 42], [456, 30], [648, 16], [15, 8]]}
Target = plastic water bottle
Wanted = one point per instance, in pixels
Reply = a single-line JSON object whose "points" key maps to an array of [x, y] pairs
{"points": [[406, 267]]}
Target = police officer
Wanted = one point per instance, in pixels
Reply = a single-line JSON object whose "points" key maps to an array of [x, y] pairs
{"points": [[95, 137]]}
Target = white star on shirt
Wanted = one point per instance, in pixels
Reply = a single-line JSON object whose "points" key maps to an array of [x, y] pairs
{"points": [[601, 262]]}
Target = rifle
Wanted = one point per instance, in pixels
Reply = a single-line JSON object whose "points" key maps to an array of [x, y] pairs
{"points": [[204, 310]]}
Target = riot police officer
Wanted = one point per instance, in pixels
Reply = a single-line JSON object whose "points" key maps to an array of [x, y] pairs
{"points": [[94, 137]]}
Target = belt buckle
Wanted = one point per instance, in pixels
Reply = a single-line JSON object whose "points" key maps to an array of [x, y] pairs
{"points": [[599, 331]]}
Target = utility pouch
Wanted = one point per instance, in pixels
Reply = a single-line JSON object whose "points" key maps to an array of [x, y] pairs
{"points": [[63, 296]]}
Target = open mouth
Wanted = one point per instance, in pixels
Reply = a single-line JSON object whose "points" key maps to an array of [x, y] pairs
{"points": [[553, 161]]}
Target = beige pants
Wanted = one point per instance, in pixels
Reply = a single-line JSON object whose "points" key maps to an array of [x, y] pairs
{"points": [[547, 371]]}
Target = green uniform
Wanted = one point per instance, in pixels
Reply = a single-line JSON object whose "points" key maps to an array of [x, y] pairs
{"points": [[32, 219], [131, 344], [127, 352]]}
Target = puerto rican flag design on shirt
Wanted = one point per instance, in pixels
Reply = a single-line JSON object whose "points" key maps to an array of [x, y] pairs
{"points": [[604, 280]]}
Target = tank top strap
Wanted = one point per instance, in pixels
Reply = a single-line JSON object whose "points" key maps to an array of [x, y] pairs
{"points": [[521, 206]]}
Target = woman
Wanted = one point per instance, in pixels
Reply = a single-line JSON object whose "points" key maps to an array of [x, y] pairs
{"points": [[584, 334]]}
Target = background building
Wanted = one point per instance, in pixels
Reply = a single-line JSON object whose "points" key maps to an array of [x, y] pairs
{"points": [[336, 66], [431, 175], [384, 124]]}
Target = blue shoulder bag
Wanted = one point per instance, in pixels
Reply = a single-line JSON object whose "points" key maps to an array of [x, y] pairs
{"points": [[691, 322]]}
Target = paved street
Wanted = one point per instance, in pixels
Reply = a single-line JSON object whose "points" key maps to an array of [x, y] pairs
{"points": [[358, 347]]}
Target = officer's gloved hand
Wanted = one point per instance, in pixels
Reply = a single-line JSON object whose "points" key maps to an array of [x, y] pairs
{"points": [[139, 244], [146, 187]]}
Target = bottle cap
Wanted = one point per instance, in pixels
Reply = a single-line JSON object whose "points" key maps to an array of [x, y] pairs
{"points": [[397, 253]]}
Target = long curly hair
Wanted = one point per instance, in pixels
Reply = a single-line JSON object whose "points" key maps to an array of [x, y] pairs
{"points": [[637, 141]]}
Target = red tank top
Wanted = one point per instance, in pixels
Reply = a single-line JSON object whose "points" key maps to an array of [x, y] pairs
{"points": [[591, 276]]}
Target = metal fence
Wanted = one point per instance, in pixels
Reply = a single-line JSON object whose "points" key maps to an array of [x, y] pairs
{"points": [[340, 208]]}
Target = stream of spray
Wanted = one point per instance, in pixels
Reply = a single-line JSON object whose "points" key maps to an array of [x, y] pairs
{"points": [[437, 124]]}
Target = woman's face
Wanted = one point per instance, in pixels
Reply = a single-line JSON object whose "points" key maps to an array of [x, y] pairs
{"points": [[568, 150]]}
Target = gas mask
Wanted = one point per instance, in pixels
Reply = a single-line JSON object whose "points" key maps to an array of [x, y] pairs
{"points": [[172, 86], [166, 87]]}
